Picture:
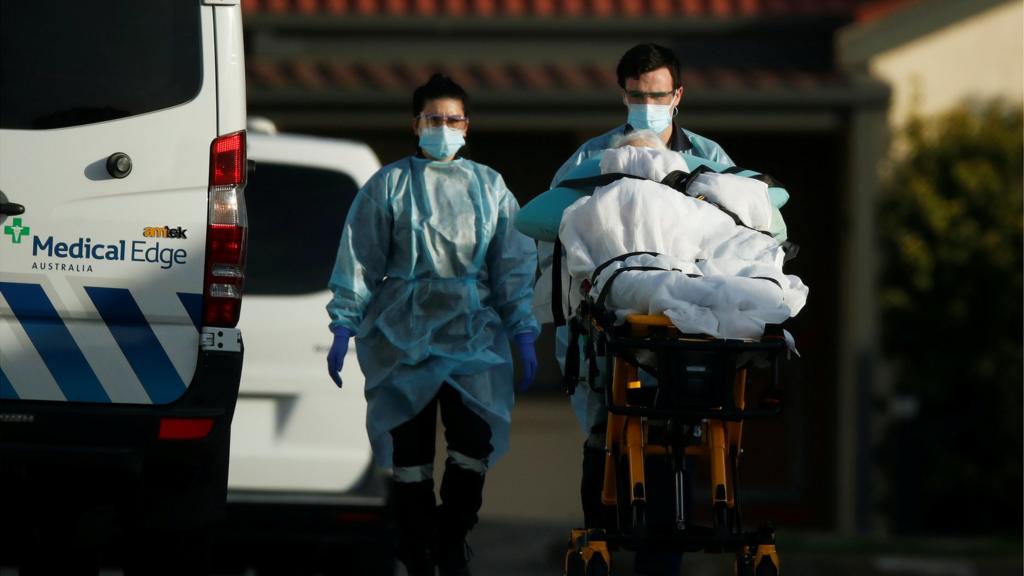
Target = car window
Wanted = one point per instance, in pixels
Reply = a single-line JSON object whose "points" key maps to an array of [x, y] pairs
{"points": [[68, 62], [295, 216]]}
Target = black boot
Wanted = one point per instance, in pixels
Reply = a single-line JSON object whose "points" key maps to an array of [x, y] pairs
{"points": [[416, 521], [461, 497]]}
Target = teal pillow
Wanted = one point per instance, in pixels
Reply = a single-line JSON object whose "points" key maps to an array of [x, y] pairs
{"points": [[539, 218]]}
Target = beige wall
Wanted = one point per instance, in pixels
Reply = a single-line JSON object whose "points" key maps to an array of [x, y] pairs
{"points": [[980, 57]]}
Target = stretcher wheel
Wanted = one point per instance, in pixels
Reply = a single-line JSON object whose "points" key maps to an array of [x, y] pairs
{"points": [[767, 567], [597, 566], [575, 565], [744, 565]]}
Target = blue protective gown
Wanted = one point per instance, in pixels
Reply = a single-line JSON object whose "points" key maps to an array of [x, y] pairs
{"points": [[681, 140], [433, 279], [588, 405]]}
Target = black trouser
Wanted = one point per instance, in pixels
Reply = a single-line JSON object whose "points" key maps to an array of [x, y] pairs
{"points": [[468, 438]]}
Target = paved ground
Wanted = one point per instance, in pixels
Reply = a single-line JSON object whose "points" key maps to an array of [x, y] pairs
{"points": [[531, 500]]}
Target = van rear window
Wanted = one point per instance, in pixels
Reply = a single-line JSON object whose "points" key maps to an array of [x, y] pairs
{"points": [[68, 62], [295, 219]]}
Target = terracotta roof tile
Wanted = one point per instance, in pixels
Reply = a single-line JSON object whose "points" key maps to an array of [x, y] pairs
{"points": [[601, 76], [573, 7], [336, 6], [602, 7], [413, 75], [508, 77], [693, 78], [454, 7], [633, 8], [514, 7], [307, 6], [379, 77], [569, 76], [529, 77], [692, 7], [277, 5], [662, 8], [764, 79], [726, 78], [543, 8], [342, 75], [308, 75], [749, 7], [494, 76], [366, 7], [425, 7], [266, 73], [800, 79], [485, 7], [568, 8], [396, 7]]}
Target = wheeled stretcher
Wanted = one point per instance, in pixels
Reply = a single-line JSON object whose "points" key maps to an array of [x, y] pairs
{"points": [[671, 396]]}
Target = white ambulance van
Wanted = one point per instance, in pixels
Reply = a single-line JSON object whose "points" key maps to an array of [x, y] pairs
{"points": [[122, 251]]}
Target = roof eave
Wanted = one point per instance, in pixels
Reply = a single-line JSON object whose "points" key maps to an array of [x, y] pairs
{"points": [[857, 44]]}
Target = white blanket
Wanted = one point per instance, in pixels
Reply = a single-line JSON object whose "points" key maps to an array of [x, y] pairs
{"points": [[649, 163], [739, 286], [745, 198]]}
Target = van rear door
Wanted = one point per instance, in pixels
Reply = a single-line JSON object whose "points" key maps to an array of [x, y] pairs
{"points": [[106, 122]]}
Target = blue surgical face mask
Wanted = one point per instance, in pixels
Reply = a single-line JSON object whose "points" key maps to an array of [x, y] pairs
{"points": [[441, 142], [656, 117]]}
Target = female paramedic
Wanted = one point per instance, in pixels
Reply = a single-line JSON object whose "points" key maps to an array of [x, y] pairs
{"points": [[435, 283]]}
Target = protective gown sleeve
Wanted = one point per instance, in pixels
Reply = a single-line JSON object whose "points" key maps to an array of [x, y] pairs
{"points": [[362, 255], [709, 149], [511, 265], [579, 156]]}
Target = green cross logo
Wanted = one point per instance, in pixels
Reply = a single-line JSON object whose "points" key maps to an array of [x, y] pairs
{"points": [[16, 231]]}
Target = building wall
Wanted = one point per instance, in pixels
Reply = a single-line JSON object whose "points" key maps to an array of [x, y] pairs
{"points": [[977, 58]]}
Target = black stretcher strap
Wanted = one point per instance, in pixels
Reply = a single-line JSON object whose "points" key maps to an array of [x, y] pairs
{"points": [[606, 289], [556, 284], [619, 258]]}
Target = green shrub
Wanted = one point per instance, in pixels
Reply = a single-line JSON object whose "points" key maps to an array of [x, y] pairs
{"points": [[951, 297]]}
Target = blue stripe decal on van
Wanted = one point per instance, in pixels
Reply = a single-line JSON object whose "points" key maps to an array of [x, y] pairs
{"points": [[193, 304], [139, 344], [6, 390], [53, 342]]}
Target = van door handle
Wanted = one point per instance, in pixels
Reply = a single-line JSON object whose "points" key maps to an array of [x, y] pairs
{"points": [[11, 209]]}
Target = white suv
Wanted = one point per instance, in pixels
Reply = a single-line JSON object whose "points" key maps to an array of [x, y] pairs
{"points": [[300, 457]]}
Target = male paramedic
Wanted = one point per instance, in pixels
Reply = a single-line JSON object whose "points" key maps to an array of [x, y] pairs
{"points": [[649, 76]]}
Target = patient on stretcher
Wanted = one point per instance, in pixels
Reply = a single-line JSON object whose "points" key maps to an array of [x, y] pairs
{"points": [[701, 252]]}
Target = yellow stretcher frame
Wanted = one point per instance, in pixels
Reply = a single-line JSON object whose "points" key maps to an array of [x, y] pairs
{"points": [[627, 444]]}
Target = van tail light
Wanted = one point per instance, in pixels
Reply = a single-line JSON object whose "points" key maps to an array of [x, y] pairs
{"points": [[226, 232], [184, 428]]}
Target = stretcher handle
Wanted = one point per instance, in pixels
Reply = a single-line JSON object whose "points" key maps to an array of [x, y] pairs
{"points": [[728, 415], [772, 398], [614, 343]]}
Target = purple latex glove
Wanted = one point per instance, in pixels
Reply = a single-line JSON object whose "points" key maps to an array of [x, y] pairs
{"points": [[528, 355], [336, 357]]}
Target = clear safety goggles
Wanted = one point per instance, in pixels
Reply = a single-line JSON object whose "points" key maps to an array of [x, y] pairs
{"points": [[454, 121], [639, 97]]}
